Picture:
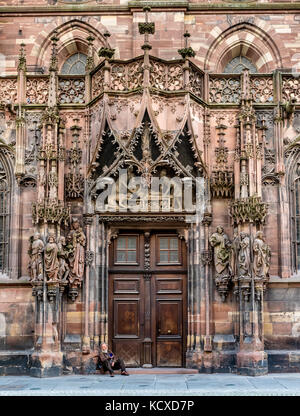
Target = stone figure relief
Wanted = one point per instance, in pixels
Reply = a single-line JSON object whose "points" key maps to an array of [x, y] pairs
{"points": [[62, 261], [75, 246], [222, 258], [262, 256], [62, 258], [51, 259], [234, 253], [244, 265], [36, 258], [232, 261], [244, 255]]}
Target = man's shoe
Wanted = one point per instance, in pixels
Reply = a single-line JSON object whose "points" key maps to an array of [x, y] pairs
{"points": [[124, 373], [112, 375]]}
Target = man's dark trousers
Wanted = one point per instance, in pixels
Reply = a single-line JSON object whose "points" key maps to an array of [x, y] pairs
{"points": [[118, 365]]}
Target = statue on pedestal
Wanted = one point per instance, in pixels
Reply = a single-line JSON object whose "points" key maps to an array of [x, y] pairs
{"points": [[222, 257], [63, 265], [36, 258], [51, 259], [75, 247]]}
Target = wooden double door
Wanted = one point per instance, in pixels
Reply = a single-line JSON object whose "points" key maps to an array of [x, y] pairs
{"points": [[147, 298]]}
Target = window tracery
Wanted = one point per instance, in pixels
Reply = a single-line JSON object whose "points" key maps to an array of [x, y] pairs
{"points": [[75, 64], [238, 64], [5, 195]]}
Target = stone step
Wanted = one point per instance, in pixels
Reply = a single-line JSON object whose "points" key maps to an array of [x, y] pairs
{"points": [[162, 370]]}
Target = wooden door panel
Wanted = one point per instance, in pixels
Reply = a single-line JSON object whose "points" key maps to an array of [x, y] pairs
{"points": [[129, 351], [127, 318], [147, 299], [122, 285], [165, 286], [169, 353], [169, 318]]}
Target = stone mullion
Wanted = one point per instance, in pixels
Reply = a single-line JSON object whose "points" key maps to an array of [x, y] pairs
{"points": [[106, 282], [237, 162], [189, 275], [95, 236], [147, 342], [101, 277], [206, 260], [61, 163], [191, 291], [86, 342], [103, 265], [198, 288]]}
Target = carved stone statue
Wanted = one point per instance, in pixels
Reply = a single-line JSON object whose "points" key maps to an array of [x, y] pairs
{"points": [[234, 253], [75, 248], [63, 265], [51, 259], [262, 256], [36, 258], [222, 251], [244, 255], [222, 257]]}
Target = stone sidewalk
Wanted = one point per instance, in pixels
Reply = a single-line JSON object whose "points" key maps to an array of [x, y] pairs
{"points": [[153, 385]]}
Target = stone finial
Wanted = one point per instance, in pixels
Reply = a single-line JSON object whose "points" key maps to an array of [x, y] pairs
{"points": [[187, 51], [22, 58], [53, 60], [90, 58], [105, 51], [146, 28]]}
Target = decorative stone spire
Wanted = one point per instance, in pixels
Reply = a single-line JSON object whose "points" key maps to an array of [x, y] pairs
{"points": [[90, 58], [105, 51], [187, 51], [53, 61], [22, 58], [147, 28], [22, 75]]}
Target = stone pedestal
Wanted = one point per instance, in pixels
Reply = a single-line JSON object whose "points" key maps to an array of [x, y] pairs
{"points": [[194, 359], [46, 364], [252, 363]]}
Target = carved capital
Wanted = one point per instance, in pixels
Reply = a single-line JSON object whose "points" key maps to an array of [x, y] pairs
{"points": [[89, 257], [147, 27], [73, 293], [207, 219], [206, 257]]}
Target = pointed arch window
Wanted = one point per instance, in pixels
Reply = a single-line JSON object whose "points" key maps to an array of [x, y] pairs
{"points": [[5, 203], [74, 65], [237, 64]]}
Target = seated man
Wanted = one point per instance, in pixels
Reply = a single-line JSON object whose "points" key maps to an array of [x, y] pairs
{"points": [[110, 362]]}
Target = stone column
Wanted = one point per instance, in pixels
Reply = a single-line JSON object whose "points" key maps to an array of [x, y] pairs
{"points": [[147, 342], [89, 67], [47, 359], [194, 338]]}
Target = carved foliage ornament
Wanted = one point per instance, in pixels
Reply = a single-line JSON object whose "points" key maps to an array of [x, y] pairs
{"points": [[52, 211], [250, 209]]}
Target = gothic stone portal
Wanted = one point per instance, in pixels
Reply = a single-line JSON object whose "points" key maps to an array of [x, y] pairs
{"points": [[147, 298]]}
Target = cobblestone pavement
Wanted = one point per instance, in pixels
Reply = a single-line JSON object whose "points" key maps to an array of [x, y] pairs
{"points": [[153, 385]]}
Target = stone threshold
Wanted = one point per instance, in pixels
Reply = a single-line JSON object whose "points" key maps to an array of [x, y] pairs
{"points": [[159, 370]]}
